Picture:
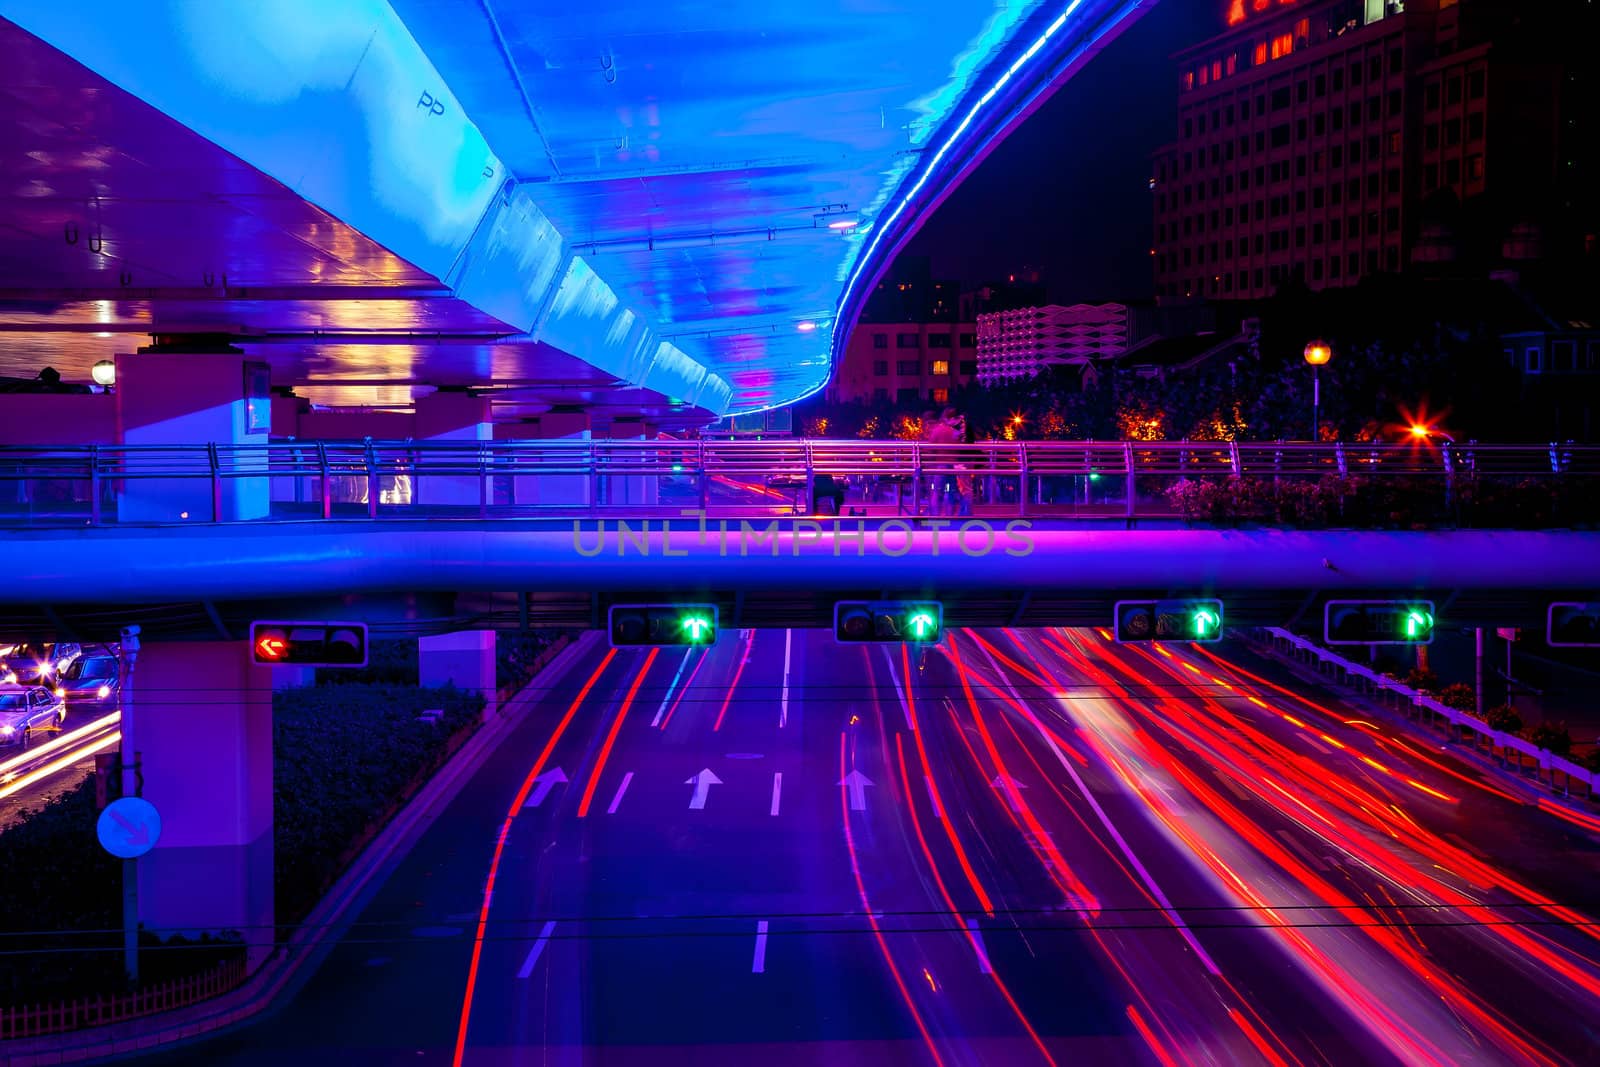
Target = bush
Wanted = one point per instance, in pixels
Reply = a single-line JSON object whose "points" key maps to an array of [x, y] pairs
{"points": [[515, 654], [1422, 680], [1504, 717], [1459, 695], [388, 663], [1591, 759], [345, 756], [1551, 735]]}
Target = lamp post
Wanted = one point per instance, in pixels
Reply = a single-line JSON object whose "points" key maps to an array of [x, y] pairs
{"points": [[1317, 353]]}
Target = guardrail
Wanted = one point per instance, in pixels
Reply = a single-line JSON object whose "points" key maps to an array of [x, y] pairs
{"points": [[378, 479], [38, 1019], [1463, 727]]}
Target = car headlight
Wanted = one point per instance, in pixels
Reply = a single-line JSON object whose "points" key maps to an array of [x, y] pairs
{"points": [[103, 692], [9, 678], [7, 731], [60, 692]]}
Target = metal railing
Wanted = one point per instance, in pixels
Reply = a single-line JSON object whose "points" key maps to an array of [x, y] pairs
{"points": [[105, 484]]}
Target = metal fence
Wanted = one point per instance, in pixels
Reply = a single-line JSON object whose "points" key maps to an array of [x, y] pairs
{"points": [[1206, 481]]}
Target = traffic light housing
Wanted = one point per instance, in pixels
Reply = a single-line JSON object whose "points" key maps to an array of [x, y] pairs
{"points": [[1573, 625], [877, 621], [1198, 620], [309, 644], [655, 625], [1378, 622]]}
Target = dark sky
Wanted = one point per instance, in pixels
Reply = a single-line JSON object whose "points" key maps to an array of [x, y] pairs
{"points": [[1067, 192]]}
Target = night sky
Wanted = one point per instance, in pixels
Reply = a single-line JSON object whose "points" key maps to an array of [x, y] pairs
{"points": [[1067, 192]]}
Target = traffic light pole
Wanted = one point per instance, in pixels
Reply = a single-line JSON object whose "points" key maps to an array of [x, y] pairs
{"points": [[1477, 641], [130, 788]]}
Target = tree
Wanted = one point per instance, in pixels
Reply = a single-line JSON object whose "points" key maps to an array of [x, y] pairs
{"points": [[1459, 695], [1504, 717], [1553, 736]]}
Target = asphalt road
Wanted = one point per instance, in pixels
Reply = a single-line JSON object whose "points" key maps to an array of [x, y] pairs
{"points": [[1028, 847]]}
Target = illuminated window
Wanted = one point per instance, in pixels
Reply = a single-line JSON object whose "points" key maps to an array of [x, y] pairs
{"points": [[941, 366], [1282, 45], [1232, 66], [1260, 56], [941, 396], [1188, 80], [1216, 70]]}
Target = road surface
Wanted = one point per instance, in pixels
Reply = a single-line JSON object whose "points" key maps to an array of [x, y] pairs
{"points": [[1019, 847]]}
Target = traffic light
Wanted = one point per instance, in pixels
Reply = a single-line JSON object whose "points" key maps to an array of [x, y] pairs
{"points": [[860, 621], [309, 644], [1378, 622], [652, 625], [1168, 620], [1573, 625]]}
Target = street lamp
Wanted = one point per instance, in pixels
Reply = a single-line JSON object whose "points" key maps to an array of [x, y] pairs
{"points": [[104, 373], [1317, 353]]}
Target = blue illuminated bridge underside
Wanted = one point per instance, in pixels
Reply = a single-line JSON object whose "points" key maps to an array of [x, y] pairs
{"points": [[684, 202], [412, 577]]}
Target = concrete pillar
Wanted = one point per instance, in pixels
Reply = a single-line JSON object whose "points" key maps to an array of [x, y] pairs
{"points": [[202, 716], [293, 677], [637, 490], [465, 659], [455, 418], [564, 490], [192, 398]]}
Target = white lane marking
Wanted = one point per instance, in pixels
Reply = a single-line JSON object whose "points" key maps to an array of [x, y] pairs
{"points": [[905, 704], [777, 790], [783, 702], [621, 789], [537, 949], [977, 946], [933, 798], [1301, 850], [758, 964], [662, 710], [1105, 820]]}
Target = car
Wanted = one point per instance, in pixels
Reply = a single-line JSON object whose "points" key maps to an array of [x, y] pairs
{"points": [[26, 709], [26, 665], [90, 681]]}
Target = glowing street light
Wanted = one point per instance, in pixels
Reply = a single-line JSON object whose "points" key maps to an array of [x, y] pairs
{"points": [[104, 373], [1317, 354]]}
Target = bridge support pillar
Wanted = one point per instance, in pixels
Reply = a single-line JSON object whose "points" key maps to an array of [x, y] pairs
{"points": [[637, 490], [452, 418], [188, 398], [465, 659], [202, 722], [550, 490]]}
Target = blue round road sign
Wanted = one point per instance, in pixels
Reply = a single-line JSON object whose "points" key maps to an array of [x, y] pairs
{"points": [[129, 827]]}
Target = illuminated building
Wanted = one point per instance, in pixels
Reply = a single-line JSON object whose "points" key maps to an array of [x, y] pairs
{"points": [[1314, 137], [1023, 342]]}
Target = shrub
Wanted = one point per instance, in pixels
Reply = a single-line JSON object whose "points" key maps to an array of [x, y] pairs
{"points": [[344, 758], [1551, 735], [1459, 695], [1422, 680], [1504, 717]]}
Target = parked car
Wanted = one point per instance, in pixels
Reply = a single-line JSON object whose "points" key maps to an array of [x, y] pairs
{"points": [[26, 709]]}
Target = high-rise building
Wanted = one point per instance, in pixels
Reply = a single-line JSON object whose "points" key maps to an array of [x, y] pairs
{"points": [[908, 363], [1329, 139], [1023, 342]]}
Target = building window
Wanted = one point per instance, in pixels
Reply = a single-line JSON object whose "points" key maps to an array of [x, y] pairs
{"points": [[880, 368], [941, 368], [1564, 356], [1452, 131], [1475, 85], [1475, 168], [880, 340], [907, 396], [938, 340], [1430, 96], [969, 340], [941, 396], [969, 367], [880, 393], [905, 340], [908, 368], [1430, 177], [1475, 126], [1452, 91], [1531, 360]]}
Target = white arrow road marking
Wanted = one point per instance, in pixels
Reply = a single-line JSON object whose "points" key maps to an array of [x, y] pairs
{"points": [[702, 783], [537, 949], [1013, 797], [543, 784], [857, 783], [758, 964], [621, 789]]}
